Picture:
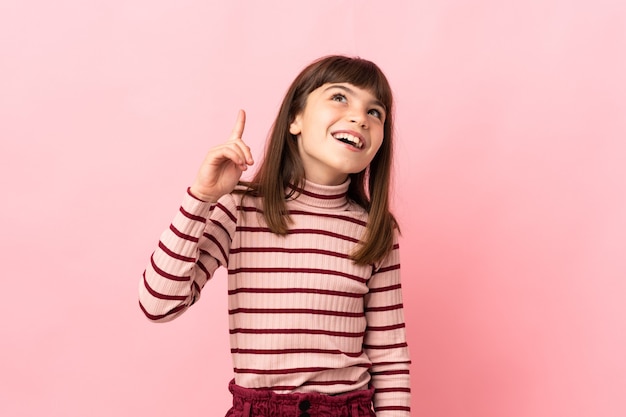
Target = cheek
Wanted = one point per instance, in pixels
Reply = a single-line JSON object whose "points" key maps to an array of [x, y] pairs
{"points": [[380, 137]]}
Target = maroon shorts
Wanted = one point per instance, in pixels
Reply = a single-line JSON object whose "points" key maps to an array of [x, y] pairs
{"points": [[263, 403]]}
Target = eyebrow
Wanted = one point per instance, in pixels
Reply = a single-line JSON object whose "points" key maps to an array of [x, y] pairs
{"points": [[351, 91]]}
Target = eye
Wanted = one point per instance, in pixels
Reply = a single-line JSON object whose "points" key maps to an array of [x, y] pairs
{"points": [[376, 113], [339, 97]]}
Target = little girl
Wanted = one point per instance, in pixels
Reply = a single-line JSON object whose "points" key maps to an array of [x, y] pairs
{"points": [[315, 303]]}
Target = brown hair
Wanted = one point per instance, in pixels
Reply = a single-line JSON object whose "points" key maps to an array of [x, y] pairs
{"points": [[282, 166]]}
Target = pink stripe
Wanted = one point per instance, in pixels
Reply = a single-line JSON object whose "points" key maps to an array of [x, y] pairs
{"points": [[207, 254], [160, 316], [294, 291], [294, 351], [287, 371], [219, 246], [192, 216], [159, 295], [182, 235], [203, 268], [298, 231], [294, 311], [308, 213], [318, 196], [221, 226], [329, 216], [388, 268], [227, 212], [383, 289], [296, 331], [385, 308], [290, 250], [174, 255], [165, 274], [278, 371], [385, 328], [297, 270]]}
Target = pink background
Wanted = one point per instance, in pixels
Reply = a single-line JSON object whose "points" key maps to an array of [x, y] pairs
{"points": [[511, 190]]}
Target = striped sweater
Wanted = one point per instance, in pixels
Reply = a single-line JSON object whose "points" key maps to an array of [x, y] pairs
{"points": [[302, 316]]}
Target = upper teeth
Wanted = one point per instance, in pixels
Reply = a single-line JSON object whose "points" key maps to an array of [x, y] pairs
{"points": [[353, 139]]}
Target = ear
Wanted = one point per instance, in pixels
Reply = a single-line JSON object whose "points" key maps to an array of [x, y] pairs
{"points": [[295, 128]]}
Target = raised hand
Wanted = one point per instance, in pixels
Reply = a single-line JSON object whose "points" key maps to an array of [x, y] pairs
{"points": [[223, 165]]}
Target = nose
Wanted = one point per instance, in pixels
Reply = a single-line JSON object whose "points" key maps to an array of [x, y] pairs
{"points": [[359, 117]]}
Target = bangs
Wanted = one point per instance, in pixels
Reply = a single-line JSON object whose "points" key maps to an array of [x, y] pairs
{"points": [[356, 71]]}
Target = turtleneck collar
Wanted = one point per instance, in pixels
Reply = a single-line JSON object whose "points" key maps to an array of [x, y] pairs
{"points": [[334, 197]]}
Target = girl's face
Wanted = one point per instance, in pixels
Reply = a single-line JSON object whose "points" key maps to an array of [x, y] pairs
{"points": [[339, 132]]}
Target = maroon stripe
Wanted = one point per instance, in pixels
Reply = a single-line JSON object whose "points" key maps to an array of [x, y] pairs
{"points": [[293, 351], [383, 289], [290, 250], [159, 295], [221, 226], [385, 308], [207, 254], [296, 331], [326, 383], [296, 270], [279, 388], [392, 408], [308, 213], [307, 383], [165, 274], [385, 328], [203, 269], [392, 363], [192, 216], [388, 268], [384, 390], [250, 209], [174, 255], [328, 215], [227, 212], [294, 311], [297, 232], [160, 316], [218, 244], [288, 370], [319, 196], [323, 233], [396, 372], [293, 291], [397, 345], [193, 196], [182, 235], [279, 371]]}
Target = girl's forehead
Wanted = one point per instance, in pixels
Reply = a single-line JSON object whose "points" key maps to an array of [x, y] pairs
{"points": [[349, 88]]}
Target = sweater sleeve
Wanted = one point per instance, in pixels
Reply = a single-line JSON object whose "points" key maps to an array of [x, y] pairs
{"points": [[189, 251], [385, 339]]}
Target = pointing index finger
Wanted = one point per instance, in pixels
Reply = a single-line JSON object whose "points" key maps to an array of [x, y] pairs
{"points": [[237, 132]]}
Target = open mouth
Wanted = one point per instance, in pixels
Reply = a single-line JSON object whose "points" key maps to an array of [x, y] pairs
{"points": [[348, 139]]}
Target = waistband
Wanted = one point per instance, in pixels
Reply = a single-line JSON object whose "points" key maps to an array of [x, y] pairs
{"points": [[354, 403]]}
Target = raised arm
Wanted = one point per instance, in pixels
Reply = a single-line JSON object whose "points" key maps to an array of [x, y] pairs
{"points": [[198, 239]]}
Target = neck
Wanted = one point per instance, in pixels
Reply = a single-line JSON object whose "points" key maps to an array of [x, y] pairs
{"points": [[320, 195]]}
